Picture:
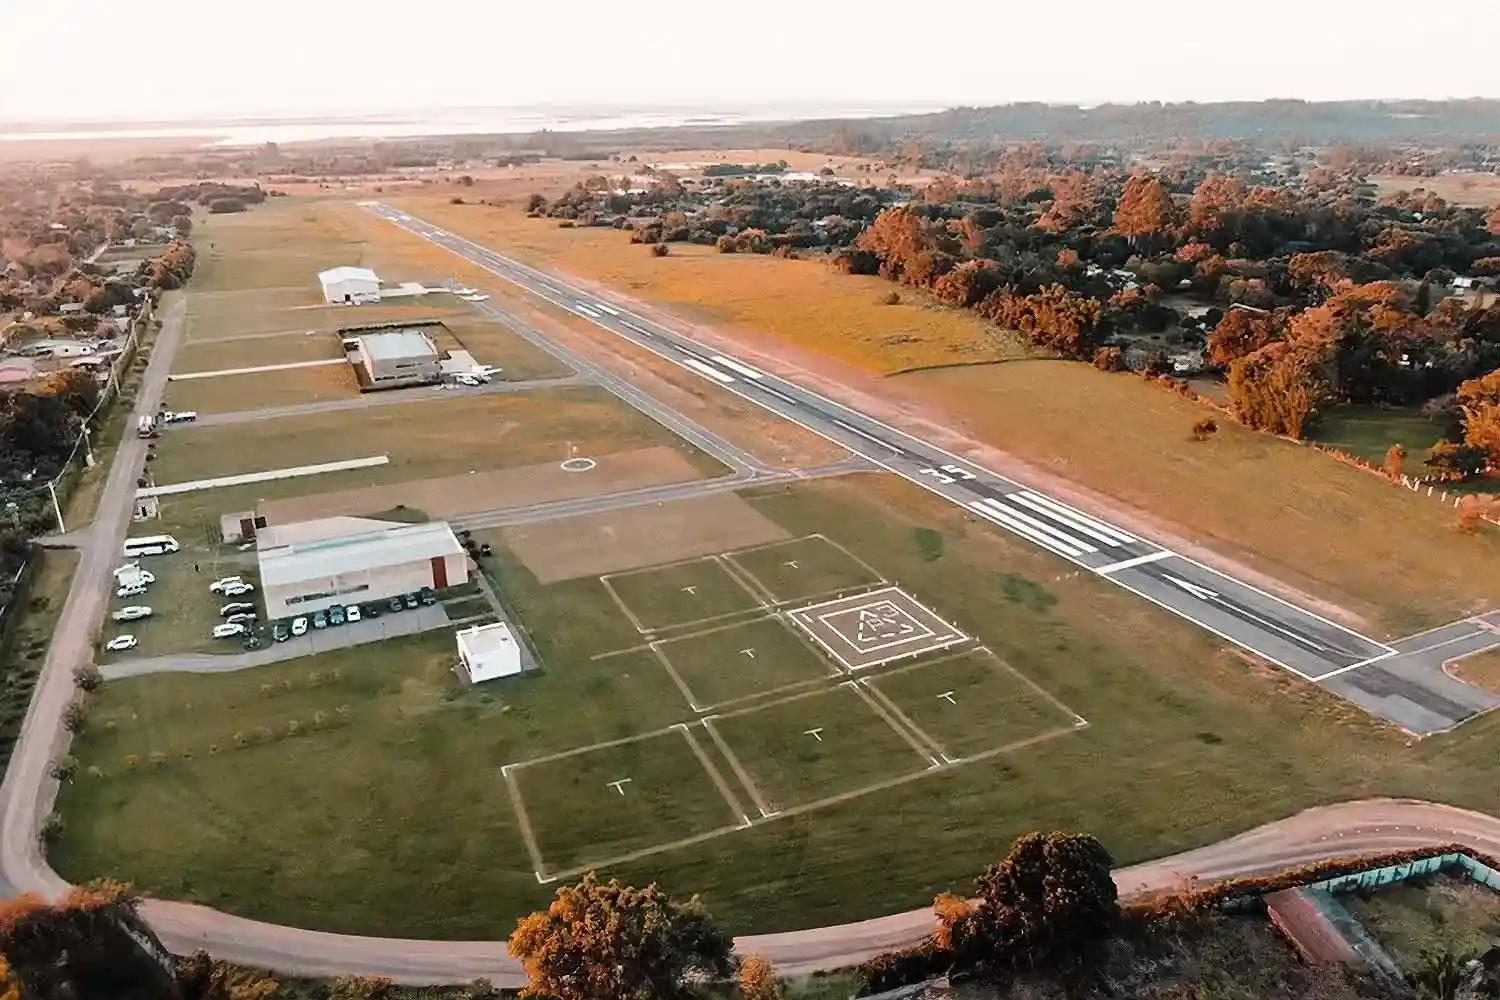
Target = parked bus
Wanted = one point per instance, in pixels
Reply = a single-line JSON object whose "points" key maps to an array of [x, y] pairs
{"points": [[151, 545]]}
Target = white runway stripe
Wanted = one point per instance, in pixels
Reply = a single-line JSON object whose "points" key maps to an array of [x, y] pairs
{"points": [[1001, 519], [738, 367], [709, 370], [1042, 526], [1106, 536], [1137, 561], [586, 311], [1079, 516], [601, 306]]}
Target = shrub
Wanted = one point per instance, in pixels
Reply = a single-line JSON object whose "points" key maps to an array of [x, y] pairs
{"points": [[87, 677], [659, 250], [75, 715], [63, 768], [891, 298], [51, 828]]}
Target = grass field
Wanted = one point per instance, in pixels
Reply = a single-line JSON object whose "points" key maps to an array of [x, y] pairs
{"points": [[1185, 744], [255, 390], [804, 302], [1331, 530], [684, 594], [741, 661], [1482, 669], [281, 349], [1369, 431], [803, 568], [184, 609]]}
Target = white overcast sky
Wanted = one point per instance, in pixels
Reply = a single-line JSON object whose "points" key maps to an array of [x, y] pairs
{"points": [[64, 59]]}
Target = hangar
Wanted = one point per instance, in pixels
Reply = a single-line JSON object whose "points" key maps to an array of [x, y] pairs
{"points": [[395, 358], [309, 566], [350, 285]]}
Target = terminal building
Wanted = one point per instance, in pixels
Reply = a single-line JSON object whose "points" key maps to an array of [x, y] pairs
{"points": [[310, 566], [392, 359]]}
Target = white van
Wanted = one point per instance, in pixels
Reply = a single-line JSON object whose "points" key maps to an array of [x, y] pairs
{"points": [[151, 545]]}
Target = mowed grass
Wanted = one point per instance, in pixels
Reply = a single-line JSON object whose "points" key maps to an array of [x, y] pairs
{"points": [[1481, 669], [257, 349], [816, 746], [257, 390], [688, 592], [971, 703], [493, 344], [428, 437], [804, 567], [1333, 531], [403, 827], [803, 302], [742, 661], [184, 610], [1368, 432], [580, 816]]}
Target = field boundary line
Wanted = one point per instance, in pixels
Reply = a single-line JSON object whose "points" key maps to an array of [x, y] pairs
{"points": [[748, 580], [677, 679], [516, 765], [738, 768], [998, 661], [646, 852], [528, 835], [718, 779], [749, 588], [910, 739]]}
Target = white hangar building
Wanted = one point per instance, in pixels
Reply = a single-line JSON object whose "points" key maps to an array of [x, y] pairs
{"points": [[309, 566], [350, 285]]}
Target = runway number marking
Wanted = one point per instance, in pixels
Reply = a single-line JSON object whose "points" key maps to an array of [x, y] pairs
{"points": [[816, 734], [947, 474], [619, 786], [883, 622]]}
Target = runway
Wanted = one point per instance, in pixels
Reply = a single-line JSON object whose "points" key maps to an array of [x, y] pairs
{"points": [[1405, 687]]}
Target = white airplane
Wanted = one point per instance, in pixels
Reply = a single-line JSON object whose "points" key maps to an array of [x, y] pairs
{"points": [[465, 291], [475, 298]]}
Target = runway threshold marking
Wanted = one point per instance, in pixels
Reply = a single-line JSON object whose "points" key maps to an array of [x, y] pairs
{"points": [[1042, 526], [738, 367], [703, 368], [1090, 526], [1000, 518], [1137, 561]]}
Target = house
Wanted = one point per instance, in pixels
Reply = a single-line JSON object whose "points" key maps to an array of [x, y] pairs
{"points": [[350, 285], [486, 652], [308, 566], [395, 358]]}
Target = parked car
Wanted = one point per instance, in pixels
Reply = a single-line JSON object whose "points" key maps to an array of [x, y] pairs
{"points": [[410, 601], [228, 630], [299, 625], [239, 589], [121, 642], [426, 596], [281, 632], [242, 618], [134, 571], [319, 619], [336, 615], [395, 604], [218, 585], [134, 612], [352, 613], [131, 590], [372, 610], [235, 608]]}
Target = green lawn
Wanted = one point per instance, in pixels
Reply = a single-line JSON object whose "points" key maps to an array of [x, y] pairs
{"points": [[742, 661], [403, 826], [804, 567], [1368, 432], [683, 594], [815, 746], [184, 610], [615, 799], [971, 703]]}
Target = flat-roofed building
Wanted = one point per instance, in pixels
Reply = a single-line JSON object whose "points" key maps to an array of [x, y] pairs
{"points": [[395, 358], [308, 566], [486, 652]]}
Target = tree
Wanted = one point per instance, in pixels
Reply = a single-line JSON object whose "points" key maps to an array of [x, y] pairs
{"points": [[608, 941], [1395, 461], [1492, 223], [1145, 208], [1216, 198], [1279, 388], [1480, 401], [1242, 332], [1454, 462], [1205, 429], [1050, 899], [757, 979]]}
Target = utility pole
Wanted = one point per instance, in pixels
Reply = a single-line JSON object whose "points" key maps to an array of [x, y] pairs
{"points": [[56, 507]]}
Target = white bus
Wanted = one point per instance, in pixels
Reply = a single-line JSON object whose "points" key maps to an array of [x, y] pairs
{"points": [[150, 545]]}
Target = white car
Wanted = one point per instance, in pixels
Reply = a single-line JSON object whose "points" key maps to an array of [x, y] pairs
{"points": [[218, 585], [228, 630], [235, 608], [469, 380], [120, 643], [238, 589], [134, 570], [131, 590], [299, 625], [134, 612], [352, 614]]}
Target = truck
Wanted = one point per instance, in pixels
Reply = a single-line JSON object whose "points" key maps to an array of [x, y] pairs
{"points": [[146, 426]]}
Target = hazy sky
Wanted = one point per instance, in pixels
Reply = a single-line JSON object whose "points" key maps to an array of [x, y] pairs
{"points": [[170, 58]]}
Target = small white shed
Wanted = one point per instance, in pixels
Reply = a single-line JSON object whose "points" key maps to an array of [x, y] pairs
{"points": [[486, 652], [350, 285]]}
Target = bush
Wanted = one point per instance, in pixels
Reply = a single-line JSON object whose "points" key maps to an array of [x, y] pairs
{"points": [[895, 969], [659, 250], [75, 716], [87, 677], [63, 768], [51, 828], [891, 298]]}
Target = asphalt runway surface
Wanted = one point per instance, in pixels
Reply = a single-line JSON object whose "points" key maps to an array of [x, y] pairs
{"points": [[1408, 690]]}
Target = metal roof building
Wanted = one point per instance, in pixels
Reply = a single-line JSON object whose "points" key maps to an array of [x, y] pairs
{"points": [[312, 565], [349, 285], [395, 358]]}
